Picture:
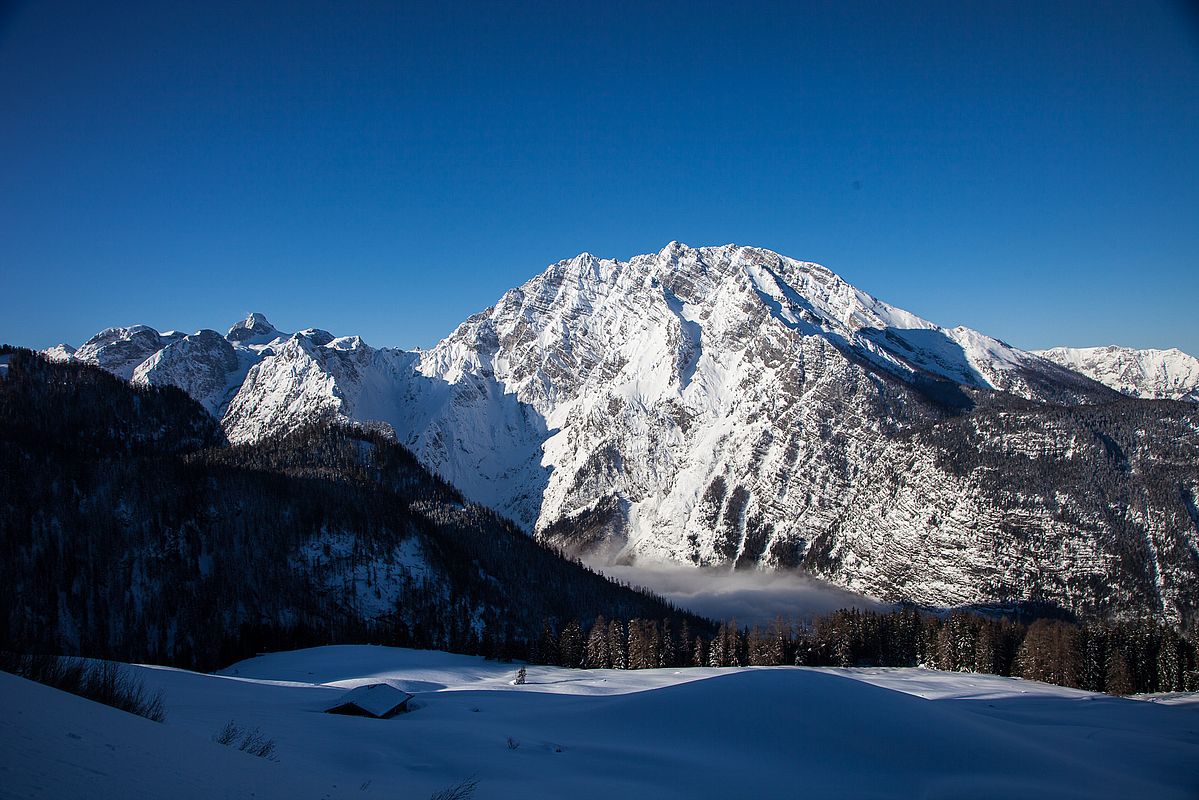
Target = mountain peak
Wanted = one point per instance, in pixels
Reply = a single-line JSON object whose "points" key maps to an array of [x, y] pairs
{"points": [[254, 326]]}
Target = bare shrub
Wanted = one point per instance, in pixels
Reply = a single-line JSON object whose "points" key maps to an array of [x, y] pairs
{"points": [[102, 681], [113, 685], [245, 740], [228, 734], [461, 791]]}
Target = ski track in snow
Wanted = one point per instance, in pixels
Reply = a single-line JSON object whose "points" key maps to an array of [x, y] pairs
{"points": [[694, 733]]}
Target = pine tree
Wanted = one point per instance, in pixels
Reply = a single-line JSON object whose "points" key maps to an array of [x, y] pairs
{"points": [[570, 645], [699, 653], [596, 652], [757, 650], [717, 652], [547, 646], [736, 649], [1170, 663], [616, 645], [686, 656], [653, 644], [636, 645], [776, 648], [667, 655], [1119, 676], [1092, 658]]}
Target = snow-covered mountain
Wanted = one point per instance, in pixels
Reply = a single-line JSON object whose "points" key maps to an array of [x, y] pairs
{"points": [[1154, 374], [731, 406], [118, 350], [688, 390]]}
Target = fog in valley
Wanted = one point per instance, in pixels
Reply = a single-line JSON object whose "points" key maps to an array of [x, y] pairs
{"points": [[751, 597]]}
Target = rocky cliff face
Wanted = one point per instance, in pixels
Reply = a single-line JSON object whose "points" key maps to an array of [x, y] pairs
{"points": [[730, 406], [203, 364]]}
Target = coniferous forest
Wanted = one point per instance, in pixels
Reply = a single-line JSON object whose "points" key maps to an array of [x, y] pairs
{"points": [[1116, 657], [132, 530]]}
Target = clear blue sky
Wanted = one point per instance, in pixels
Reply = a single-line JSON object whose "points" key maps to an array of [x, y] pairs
{"points": [[386, 169]]}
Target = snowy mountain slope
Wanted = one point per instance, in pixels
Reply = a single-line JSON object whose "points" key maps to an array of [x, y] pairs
{"points": [[260, 381], [1156, 374], [59, 353], [728, 406], [307, 376], [1089, 507], [895, 733], [203, 364]]}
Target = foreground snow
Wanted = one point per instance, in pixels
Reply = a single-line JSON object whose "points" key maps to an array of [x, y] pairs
{"points": [[779, 732]]}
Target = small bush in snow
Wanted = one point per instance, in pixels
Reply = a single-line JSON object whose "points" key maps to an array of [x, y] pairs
{"points": [[461, 791], [248, 741]]}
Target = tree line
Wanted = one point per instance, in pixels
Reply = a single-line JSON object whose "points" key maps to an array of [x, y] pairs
{"points": [[1117, 657]]}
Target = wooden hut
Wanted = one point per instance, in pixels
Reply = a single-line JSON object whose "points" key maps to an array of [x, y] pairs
{"points": [[378, 700]]}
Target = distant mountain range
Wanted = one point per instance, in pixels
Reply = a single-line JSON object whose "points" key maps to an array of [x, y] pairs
{"points": [[731, 406], [1154, 374]]}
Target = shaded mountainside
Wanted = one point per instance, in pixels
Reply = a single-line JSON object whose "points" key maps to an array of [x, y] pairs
{"points": [[155, 541]]}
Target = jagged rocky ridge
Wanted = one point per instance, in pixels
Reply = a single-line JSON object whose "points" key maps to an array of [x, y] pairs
{"points": [[130, 529], [732, 406]]}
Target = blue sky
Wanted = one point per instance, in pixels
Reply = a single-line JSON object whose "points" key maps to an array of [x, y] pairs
{"points": [[387, 169]]}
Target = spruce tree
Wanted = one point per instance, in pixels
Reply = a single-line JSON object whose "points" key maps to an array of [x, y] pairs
{"points": [[616, 645], [667, 654], [596, 652], [699, 653], [570, 645]]}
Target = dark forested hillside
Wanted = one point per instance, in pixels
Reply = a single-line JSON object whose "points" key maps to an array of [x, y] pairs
{"points": [[128, 528], [85, 412]]}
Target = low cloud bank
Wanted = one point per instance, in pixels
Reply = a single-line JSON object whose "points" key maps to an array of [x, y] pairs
{"points": [[750, 597]]}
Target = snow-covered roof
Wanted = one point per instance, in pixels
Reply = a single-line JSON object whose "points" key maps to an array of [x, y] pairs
{"points": [[374, 698]]}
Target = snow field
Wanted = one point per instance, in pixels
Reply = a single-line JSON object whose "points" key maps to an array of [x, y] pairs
{"points": [[691, 733]]}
